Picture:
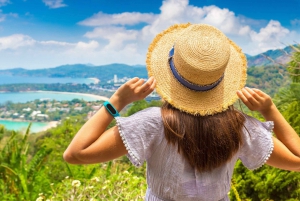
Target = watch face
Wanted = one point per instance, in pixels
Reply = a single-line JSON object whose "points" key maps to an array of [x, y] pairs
{"points": [[111, 109]]}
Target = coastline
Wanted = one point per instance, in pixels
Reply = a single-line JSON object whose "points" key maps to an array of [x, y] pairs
{"points": [[74, 93], [49, 124], [96, 80]]}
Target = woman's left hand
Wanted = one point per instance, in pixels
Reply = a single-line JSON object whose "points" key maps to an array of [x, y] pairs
{"points": [[134, 90]]}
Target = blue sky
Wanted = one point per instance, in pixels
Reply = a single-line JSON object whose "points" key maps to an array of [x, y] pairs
{"points": [[49, 33]]}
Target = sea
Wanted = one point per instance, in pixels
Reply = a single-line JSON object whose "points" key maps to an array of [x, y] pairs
{"points": [[23, 97], [22, 126], [11, 79]]}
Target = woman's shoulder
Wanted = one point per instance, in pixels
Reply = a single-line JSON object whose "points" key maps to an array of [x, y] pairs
{"points": [[254, 123], [150, 112]]}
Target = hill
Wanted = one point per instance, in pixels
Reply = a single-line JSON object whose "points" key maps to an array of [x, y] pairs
{"points": [[104, 73], [279, 55], [262, 72]]}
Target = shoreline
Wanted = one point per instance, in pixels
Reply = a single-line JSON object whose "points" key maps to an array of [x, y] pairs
{"points": [[96, 80], [74, 93], [98, 97], [49, 124]]}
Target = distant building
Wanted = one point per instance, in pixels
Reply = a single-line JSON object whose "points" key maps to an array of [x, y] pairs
{"points": [[96, 107], [34, 113], [115, 79], [42, 116], [78, 108], [27, 109]]}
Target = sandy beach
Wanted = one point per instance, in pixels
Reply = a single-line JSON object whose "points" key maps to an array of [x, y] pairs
{"points": [[51, 124], [84, 94], [96, 80]]}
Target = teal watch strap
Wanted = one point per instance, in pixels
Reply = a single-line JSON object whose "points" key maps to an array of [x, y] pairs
{"points": [[111, 109]]}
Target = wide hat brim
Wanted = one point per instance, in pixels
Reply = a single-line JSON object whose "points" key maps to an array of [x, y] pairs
{"points": [[204, 103]]}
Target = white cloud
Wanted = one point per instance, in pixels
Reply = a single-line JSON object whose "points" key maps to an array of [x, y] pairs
{"points": [[54, 3], [115, 35], [111, 41], [3, 15], [126, 18], [270, 36], [15, 41], [295, 22], [92, 45], [4, 2]]}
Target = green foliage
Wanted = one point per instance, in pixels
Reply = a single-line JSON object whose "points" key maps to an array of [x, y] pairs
{"points": [[268, 78], [268, 183], [114, 181], [20, 175], [294, 65], [140, 105]]}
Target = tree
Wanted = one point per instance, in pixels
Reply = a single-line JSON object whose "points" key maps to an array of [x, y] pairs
{"points": [[269, 183]]}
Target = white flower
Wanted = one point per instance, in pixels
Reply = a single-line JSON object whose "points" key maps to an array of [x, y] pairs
{"points": [[67, 177], [96, 179], [90, 187], [39, 199], [76, 183]]}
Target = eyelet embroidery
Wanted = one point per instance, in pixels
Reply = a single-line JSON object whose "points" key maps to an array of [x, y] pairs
{"points": [[130, 154]]}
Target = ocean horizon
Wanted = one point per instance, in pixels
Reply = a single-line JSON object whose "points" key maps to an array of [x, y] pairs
{"points": [[23, 97], [11, 79]]}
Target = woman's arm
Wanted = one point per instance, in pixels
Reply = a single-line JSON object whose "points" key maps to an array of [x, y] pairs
{"points": [[92, 144], [286, 153]]}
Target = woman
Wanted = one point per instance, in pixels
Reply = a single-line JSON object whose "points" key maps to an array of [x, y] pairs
{"points": [[192, 143]]}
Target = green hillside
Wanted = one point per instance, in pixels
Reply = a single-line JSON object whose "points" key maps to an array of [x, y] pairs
{"points": [[104, 73]]}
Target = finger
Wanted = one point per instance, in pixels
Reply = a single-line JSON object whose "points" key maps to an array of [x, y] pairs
{"points": [[249, 97], [138, 83], [146, 85], [133, 80], [260, 93], [243, 98], [151, 88], [254, 94]]}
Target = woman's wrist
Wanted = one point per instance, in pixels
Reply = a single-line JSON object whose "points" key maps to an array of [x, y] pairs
{"points": [[270, 112], [117, 103]]}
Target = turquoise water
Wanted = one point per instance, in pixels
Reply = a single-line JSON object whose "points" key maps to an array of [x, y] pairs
{"points": [[9, 79], [22, 126], [23, 97]]}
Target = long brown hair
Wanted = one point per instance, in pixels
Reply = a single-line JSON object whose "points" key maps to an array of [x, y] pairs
{"points": [[206, 142]]}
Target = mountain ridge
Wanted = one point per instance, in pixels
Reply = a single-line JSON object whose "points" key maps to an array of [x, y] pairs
{"points": [[107, 72]]}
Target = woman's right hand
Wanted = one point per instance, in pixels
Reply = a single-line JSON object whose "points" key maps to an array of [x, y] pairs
{"points": [[133, 90], [256, 100]]}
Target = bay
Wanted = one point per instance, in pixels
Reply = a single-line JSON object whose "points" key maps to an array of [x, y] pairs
{"points": [[10, 79], [23, 97], [22, 126]]}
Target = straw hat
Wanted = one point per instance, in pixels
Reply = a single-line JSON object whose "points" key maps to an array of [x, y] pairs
{"points": [[197, 68]]}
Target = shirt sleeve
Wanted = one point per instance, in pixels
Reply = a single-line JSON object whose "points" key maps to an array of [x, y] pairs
{"points": [[257, 143], [140, 133]]}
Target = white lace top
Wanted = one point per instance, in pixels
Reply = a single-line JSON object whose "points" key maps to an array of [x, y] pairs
{"points": [[169, 175]]}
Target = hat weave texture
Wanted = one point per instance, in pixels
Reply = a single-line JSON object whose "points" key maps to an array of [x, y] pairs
{"points": [[202, 55]]}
